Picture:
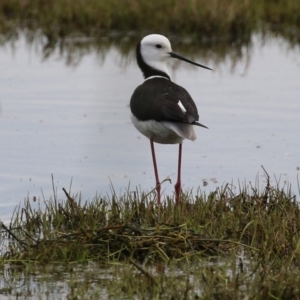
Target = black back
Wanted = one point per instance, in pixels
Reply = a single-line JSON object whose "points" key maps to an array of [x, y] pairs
{"points": [[157, 99]]}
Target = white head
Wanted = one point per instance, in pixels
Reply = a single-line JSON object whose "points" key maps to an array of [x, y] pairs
{"points": [[155, 49], [152, 52]]}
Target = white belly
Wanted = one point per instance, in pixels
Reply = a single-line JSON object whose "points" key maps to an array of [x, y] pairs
{"points": [[165, 132]]}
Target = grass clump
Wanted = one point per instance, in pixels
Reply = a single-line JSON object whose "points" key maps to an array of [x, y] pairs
{"points": [[105, 231], [134, 227], [224, 245]]}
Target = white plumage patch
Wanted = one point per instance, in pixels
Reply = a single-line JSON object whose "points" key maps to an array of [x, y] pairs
{"points": [[181, 107], [155, 76], [165, 132], [153, 56]]}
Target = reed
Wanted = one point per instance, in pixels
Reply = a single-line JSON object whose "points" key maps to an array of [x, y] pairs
{"points": [[209, 20], [229, 244]]}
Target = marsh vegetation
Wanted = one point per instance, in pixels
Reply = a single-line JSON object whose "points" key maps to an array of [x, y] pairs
{"points": [[217, 29], [233, 243], [231, 19]]}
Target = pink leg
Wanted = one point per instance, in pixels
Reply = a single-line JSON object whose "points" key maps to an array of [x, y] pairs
{"points": [[178, 183], [155, 171]]}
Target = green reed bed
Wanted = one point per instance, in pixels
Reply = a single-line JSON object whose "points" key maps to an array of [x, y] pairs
{"points": [[225, 245], [207, 19], [134, 227]]}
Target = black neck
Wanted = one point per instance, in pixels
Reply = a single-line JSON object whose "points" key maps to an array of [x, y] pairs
{"points": [[146, 69]]}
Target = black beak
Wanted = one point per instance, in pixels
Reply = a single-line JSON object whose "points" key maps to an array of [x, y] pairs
{"points": [[175, 55]]}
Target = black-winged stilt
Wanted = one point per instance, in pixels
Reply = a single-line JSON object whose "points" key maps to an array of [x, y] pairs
{"points": [[162, 110]]}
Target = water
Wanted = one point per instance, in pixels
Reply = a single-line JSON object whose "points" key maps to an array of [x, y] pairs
{"points": [[74, 122]]}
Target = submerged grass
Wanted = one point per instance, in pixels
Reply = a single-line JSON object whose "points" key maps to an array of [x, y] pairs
{"points": [[224, 245]]}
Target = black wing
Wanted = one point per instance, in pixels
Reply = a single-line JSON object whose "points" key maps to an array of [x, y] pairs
{"points": [[158, 99]]}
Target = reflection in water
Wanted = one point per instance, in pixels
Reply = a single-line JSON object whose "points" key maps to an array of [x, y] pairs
{"points": [[73, 49], [74, 122], [214, 50], [56, 281]]}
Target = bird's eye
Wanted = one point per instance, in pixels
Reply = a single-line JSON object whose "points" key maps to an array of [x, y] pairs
{"points": [[158, 46]]}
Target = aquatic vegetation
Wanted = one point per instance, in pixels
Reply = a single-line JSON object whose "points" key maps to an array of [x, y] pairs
{"points": [[205, 21], [229, 244]]}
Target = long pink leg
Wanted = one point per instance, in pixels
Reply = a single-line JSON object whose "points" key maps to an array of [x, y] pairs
{"points": [[178, 183], [155, 171]]}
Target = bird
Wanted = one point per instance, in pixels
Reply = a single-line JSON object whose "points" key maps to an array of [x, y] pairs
{"points": [[161, 110]]}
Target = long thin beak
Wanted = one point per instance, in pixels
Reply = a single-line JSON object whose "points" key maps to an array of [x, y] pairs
{"points": [[175, 55], [199, 124]]}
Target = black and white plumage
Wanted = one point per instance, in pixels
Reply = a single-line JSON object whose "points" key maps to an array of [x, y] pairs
{"points": [[162, 110]]}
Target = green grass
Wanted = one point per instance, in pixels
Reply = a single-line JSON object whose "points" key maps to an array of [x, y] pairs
{"points": [[230, 244], [133, 226], [207, 21], [213, 30]]}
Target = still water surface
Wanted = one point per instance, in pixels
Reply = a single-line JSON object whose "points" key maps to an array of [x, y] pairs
{"points": [[74, 122]]}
